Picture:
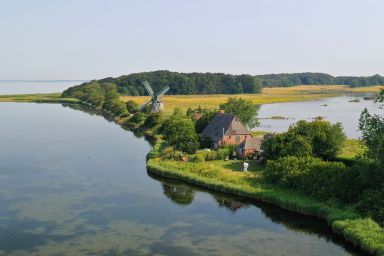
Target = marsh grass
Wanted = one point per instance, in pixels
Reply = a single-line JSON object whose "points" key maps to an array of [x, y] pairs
{"points": [[268, 95], [352, 148], [43, 98]]}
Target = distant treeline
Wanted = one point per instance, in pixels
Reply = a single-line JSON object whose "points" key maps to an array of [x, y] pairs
{"points": [[285, 80], [179, 83], [214, 83]]}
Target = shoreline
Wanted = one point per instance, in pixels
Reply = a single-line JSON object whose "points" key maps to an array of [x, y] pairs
{"points": [[362, 232], [343, 227]]}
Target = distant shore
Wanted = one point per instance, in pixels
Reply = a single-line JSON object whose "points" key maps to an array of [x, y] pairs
{"points": [[268, 96]]}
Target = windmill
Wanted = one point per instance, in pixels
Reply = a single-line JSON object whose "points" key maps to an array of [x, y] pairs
{"points": [[156, 98]]}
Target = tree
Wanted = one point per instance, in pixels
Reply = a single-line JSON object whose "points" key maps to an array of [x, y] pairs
{"points": [[326, 139], [110, 91], [154, 119], [372, 127], [180, 132], [115, 106], [243, 109], [138, 117], [206, 117], [318, 138], [93, 97], [132, 106], [297, 146]]}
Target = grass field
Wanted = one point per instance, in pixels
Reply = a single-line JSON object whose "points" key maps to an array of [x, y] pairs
{"points": [[51, 97], [352, 148], [269, 95]]}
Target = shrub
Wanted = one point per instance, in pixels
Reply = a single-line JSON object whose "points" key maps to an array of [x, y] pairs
{"points": [[197, 158], [137, 118], [310, 175], [181, 133], [171, 154], [326, 139], [297, 146], [372, 204], [318, 138], [154, 119], [132, 107], [115, 107]]}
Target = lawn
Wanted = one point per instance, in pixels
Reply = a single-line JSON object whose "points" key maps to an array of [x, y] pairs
{"points": [[231, 165], [269, 95]]}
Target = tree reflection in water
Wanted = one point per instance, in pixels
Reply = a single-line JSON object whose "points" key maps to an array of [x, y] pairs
{"points": [[178, 193]]}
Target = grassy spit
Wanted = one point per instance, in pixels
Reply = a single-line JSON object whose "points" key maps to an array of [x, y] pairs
{"points": [[220, 176], [269, 95], [43, 98]]}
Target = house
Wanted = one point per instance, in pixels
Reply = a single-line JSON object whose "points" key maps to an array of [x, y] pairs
{"points": [[226, 129], [250, 147]]}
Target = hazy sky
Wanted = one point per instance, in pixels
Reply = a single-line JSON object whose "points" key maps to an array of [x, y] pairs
{"points": [[86, 39]]}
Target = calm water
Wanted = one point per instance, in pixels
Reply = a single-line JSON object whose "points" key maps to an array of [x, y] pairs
{"points": [[27, 87], [72, 183], [338, 109]]}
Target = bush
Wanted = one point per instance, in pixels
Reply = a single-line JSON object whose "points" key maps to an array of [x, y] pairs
{"points": [[197, 158], [181, 133], [115, 107], [138, 118], [154, 119], [310, 175], [326, 139], [372, 204], [318, 138], [171, 154], [132, 107], [210, 155]]}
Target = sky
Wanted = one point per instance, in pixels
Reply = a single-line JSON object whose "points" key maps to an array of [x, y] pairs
{"points": [[92, 39]]}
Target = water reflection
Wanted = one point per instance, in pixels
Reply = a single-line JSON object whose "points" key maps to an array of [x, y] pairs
{"points": [[74, 184], [183, 194]]}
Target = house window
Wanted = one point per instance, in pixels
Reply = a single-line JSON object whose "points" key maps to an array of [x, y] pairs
{"points": [[237, 139]]}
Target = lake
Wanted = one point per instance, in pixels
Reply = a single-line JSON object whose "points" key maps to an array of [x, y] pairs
{"points": [[72, 183], [338, 109], [27, 87]]}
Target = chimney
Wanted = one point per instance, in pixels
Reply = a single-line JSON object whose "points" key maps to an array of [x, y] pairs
{"points": [[221, 111]]}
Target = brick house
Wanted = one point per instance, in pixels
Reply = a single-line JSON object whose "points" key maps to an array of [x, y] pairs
{"points": [[250, 147], [226, 129]]}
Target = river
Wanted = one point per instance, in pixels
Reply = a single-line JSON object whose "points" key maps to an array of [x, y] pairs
{"points": [[345, 109], [72, 183]]}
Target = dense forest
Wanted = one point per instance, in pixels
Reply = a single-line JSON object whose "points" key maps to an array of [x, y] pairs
{"points": [[179, 83], [212, 83], [285, 80]]}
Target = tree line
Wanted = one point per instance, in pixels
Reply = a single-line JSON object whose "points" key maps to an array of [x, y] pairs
{"points": [[212, 83], [286, 80], [179, 83]]}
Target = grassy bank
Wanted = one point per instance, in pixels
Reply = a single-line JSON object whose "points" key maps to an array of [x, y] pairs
{"points": [[269, 95], [43, 98], [222, 176]]}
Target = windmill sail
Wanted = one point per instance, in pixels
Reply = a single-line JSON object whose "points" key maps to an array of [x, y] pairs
{"points": [[162, 92], [157, 104], [145, 104], [148, 88]]}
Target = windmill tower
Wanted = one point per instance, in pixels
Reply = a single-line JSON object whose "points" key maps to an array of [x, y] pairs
{"points": [[156, 98]]}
